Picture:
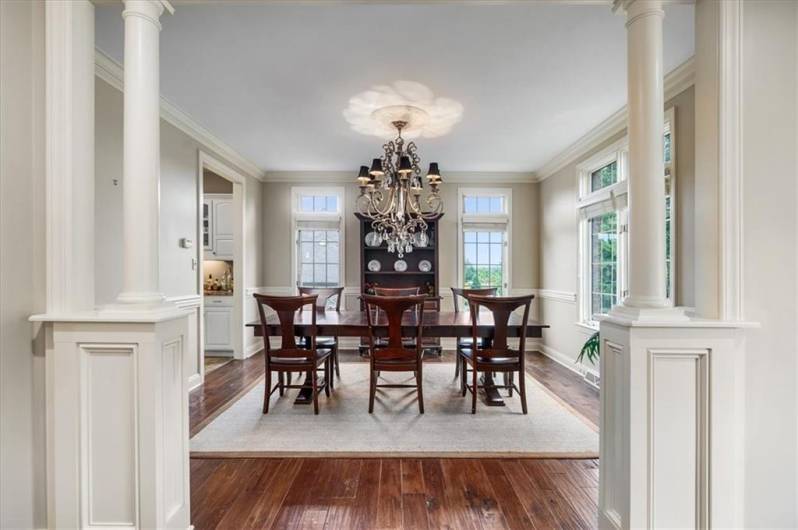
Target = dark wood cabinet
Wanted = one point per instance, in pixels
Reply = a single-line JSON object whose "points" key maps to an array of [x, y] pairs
{"points": [[413, 276]]}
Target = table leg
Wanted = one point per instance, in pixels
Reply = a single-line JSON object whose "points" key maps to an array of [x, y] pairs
{"points": [[492, 396], [305, 396]]}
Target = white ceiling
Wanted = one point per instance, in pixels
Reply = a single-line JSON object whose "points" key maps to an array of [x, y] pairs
{"points": [[273, 80]]}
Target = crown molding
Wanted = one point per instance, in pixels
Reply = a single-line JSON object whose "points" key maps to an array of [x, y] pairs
{"points": [[453, 177], [112, 73], [678, 80]]}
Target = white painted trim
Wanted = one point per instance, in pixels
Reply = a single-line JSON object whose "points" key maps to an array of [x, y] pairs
{"points": [[730, 159], [205, 160], [112, 73], [678, 80], [566, 362], [560, 296], [348, 177], [189, 301]]}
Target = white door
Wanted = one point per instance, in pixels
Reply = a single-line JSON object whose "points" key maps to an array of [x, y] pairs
{"points": [[207, 224], [218, 328]]}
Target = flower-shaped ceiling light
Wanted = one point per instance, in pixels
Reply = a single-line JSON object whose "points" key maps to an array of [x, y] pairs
{"points": [[373, 112]]}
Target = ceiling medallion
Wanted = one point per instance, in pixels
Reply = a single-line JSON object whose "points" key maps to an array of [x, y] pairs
{"points": [[391, 190]]}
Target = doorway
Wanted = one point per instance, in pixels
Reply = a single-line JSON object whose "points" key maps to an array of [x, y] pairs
{"points": [[221, 255]]}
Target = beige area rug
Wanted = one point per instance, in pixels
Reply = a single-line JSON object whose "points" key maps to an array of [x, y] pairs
{"points": [[446, 429]]}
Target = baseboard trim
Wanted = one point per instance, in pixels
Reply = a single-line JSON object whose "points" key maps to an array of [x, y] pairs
{"points": [[564, 361]]}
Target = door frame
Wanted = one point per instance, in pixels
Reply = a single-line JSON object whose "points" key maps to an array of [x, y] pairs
{"points": [[208, 161]]}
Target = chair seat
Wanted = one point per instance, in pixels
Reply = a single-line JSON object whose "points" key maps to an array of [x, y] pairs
{"points": [[321, 356], [498, 361], [469, 341]]}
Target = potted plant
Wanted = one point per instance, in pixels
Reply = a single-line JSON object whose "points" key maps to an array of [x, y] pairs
{"points": [[590, 350]]}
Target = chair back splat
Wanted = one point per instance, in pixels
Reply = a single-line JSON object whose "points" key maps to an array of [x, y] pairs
{"points": [[458, 293], [502, 309], [397, 291], [286, 308], [324, 294]]}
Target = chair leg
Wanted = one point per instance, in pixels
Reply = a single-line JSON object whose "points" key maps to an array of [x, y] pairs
{"points": [[372, 389], [474, 395], [267, 391], [420, 391], [327, 376], [463, 382], [457, 361], [335, 359], [522, 390], [508, 381], [314, 376], [280, 385], [288, 377]]}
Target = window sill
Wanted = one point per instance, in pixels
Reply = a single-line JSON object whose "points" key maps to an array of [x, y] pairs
{"points": [[587, 327]]}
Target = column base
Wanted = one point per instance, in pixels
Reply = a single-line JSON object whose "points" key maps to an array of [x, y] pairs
{"points": [[140, 299], [630, 313], [117, 420], [672, 423]]}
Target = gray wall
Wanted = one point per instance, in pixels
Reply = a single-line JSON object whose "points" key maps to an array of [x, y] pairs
{"points": [[559, 234], [277, 217], [22, 264], [178, 217]]}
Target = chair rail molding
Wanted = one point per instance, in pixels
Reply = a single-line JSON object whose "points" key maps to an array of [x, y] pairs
{"points": [[560, 296], [678, 80], [112, 73]]}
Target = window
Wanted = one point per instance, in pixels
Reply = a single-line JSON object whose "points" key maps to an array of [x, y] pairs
{"points": [[602, 209], [484, 219], [603, 263], [318, 231]]}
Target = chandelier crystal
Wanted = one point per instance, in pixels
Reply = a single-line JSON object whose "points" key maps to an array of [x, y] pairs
{"points": [[391, 192]]}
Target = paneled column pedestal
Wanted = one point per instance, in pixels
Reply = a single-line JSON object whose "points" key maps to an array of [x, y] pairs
{"points": [[672, 421], [117, 420]]}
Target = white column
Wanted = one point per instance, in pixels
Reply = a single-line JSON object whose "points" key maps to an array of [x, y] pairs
{"points": [[646, 162], [70, 155], [141, 169]]}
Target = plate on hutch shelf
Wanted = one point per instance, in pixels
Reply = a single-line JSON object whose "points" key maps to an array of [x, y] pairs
{"points": [[374, 266], [424, 265], [373, 239], [400, 265]]}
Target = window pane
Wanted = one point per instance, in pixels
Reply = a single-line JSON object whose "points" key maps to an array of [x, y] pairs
{"points": [[496, 254], [667, 143], [469, 237], [306, 203], [470, 253], [483, 204], [470, 205], [306, 252], [601, 178], [483, 237], [332, 253], [497, 237], [496, 205], [483, 254], [319, 257], [603, 263], [332, 203]]}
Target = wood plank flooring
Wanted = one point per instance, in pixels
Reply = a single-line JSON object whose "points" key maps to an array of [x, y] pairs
{"points": [[366, 493]]}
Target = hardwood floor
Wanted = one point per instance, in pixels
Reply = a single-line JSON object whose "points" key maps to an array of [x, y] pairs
{"points": [[393, 493], [367, 493]]}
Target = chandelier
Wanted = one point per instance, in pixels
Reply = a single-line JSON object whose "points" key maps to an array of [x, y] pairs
{"points": [[391, 190]]}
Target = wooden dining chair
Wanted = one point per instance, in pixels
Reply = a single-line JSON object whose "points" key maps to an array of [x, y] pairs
{"points": [[290, 357], [395, 355], [322, 303], [496, 356], [467, 342], [397, 291]]}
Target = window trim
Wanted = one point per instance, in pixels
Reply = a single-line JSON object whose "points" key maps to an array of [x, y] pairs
{"points": [[615, 198], [500, 219], [298, 216]]}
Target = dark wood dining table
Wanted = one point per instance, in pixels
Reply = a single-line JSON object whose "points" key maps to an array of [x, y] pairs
{"points": [[435, 324]]}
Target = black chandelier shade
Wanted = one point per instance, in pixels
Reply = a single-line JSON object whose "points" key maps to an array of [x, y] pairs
{"points": [[404, 165], [376, 168], [433, 173]]}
